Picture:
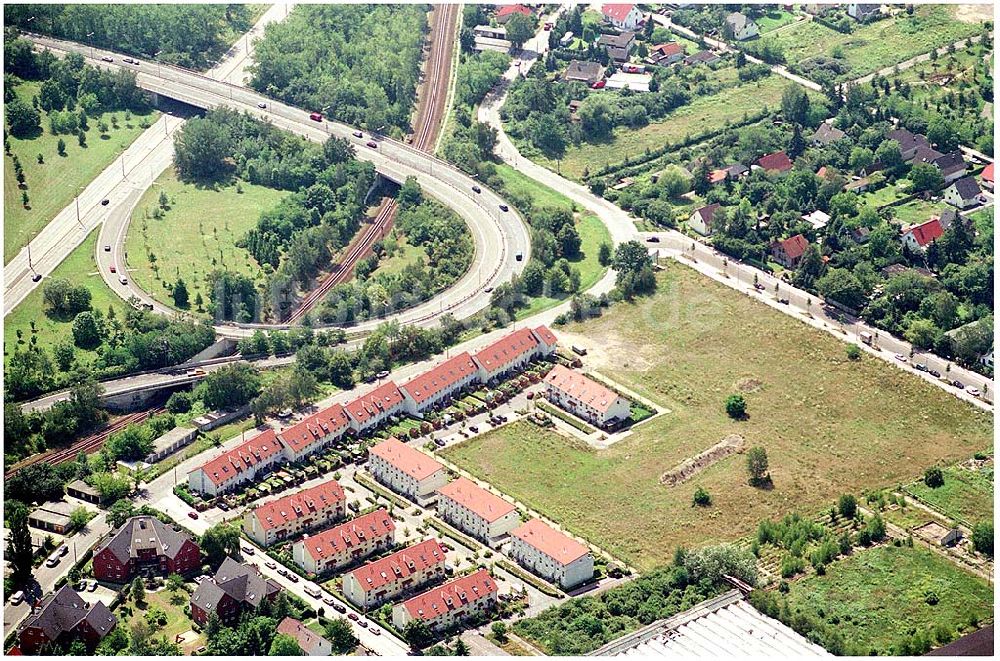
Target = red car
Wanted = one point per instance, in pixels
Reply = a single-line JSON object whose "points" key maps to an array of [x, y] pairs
{"points": [[372, 145], [548, 26], [599, 85], [114, 270], [193, 515], [316, 116]]}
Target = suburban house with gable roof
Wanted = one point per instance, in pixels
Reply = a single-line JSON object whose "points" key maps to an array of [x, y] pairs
{"points": [[862, 12], [619, 46], [547, 341], [664, 54], [553, 555], [402, 572], [909, 142], [234, 589], [585, 398], [346, 543], [776, 162], [482, 514], [584, 72], [788, 252], [506, 12], [918, 237], [310, 642], [701, 219], [424, 391], [987, 177], [295, 513], [741, 26], [963, 194], [63, 618], [145, 545], [406, 470], [623, 17], [827, 133], [314, 432], [244, 463], [449, 604], [375, 407]]}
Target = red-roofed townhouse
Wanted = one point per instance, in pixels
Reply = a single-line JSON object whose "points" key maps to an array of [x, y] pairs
{"points": [[375, 407], [667, 53], [482, 514], [918, 237], [623, 17], [776, 162], [585, 398], [511, 352], [446, 605], [553, 555], [547, 341], [789, 251], [295, 513], [434, 386], [314, 433], [505, 12], [345, 544], [406, 470], [986, 178], [394, 575], [244, 463]]}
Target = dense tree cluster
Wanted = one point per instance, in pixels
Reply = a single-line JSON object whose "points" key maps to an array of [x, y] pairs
{"points": [[192, 36], [355, 63]]}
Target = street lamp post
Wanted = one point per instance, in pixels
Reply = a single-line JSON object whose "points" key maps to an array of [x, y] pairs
{"points": [[89, 35]]}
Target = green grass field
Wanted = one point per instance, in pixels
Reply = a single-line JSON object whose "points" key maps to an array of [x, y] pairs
{"points": [[878, 596], [967, 495], [592, 232], [917, 211], [54, 184], [879, 44], [177, 621], [773, 19], [197, 234], [829, 425], [79, 267], [703, 114]]}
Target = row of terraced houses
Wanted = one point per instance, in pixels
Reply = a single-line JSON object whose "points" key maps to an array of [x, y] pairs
{"points": [[261, 454]]}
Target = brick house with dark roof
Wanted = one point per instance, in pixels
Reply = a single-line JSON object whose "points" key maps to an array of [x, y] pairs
{"points": [[234, 588], [789, 252], [147, 546], [62, 618]]}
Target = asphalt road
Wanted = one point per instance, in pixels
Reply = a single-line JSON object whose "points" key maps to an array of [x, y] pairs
{"points": [[498, 235]]}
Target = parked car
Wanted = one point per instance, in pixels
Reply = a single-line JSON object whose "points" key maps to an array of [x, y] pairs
{"points": [[440, 442], [935, 374], [474, 429], [339, 607], [376, 632], [653, 239], [329, 601], [223, 506], [504, 207], [107, 58], [249, 550], [477, 189], [270, 564], [105, 202], [316, 117], [900, 357], [114, 270], [36, 277], [958, 384], [973, 391], [358, 134], [293, 577], [382, 374], [63, 550], [16, 598], [371, 144], [599, 85], [920, 367], [783, 301], [92, 585], [193, 515], [758, 286], [363, 624], [52, 560], [352, 616]]}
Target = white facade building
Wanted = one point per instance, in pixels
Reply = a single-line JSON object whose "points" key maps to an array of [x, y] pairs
{"points": [[475, 510], [585, 398], [449, 604], [394, 575], [295, 513], [406, 470], [345, 544], [553, 555]]}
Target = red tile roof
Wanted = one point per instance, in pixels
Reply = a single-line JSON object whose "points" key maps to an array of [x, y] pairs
{"points": [[987, 174], [333, 541], [510, 9], [926, 232], [507, 350], [545, 335], [301, 504], [236, 461], [560, 547], [481, 502], [399, 565], [410, 460], [776, 162], [314, 427], [384, 398], [581, 388], [451, 595], [616, 12], [447, 374], [795, 246], [668, 49]]}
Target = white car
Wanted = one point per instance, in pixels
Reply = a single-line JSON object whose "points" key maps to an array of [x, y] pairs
{"points": [[900, 357], [973, 391]]}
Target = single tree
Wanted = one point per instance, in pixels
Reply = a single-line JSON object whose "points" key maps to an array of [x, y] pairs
{"points": [[847, 506], [499, 630], [736, 407], [219, 541], [180, 293], [284, 645], [757, 466], [982, 537], [417, 634], [702, 497], [934, 477], [341, 636], [138, 590], [61, 147], [19, 549]]}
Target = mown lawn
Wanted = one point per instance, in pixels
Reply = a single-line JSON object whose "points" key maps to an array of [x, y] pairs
{"points": [[177, 621], [53, 184], [80, 267], [703, 113], [879, 596], [876, 45], [966, 495], [829, 425], [773, 19], [196, 235], [917, 211]]}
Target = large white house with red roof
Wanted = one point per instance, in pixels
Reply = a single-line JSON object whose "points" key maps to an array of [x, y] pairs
{"points": [[346, 543], [314, 432], [482, 514], [918, 237], [446, 605], [511, 352], [394, 575], [406, 470], [295, 513], [433, 386], [553, 555], [546, 339], [373, 408], [584, 397], [623, 17], [244, 463]]}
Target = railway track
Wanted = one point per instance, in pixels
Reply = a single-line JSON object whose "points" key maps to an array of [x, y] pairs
{"points": [[87, 445], [430, 112]]}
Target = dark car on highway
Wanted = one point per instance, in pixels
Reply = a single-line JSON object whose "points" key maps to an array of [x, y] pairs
{"points": [[36, 277], [653, 239], [935, 374], [504, 207], [371, 144], [477, 189], [958, 384], [316, 117]]}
